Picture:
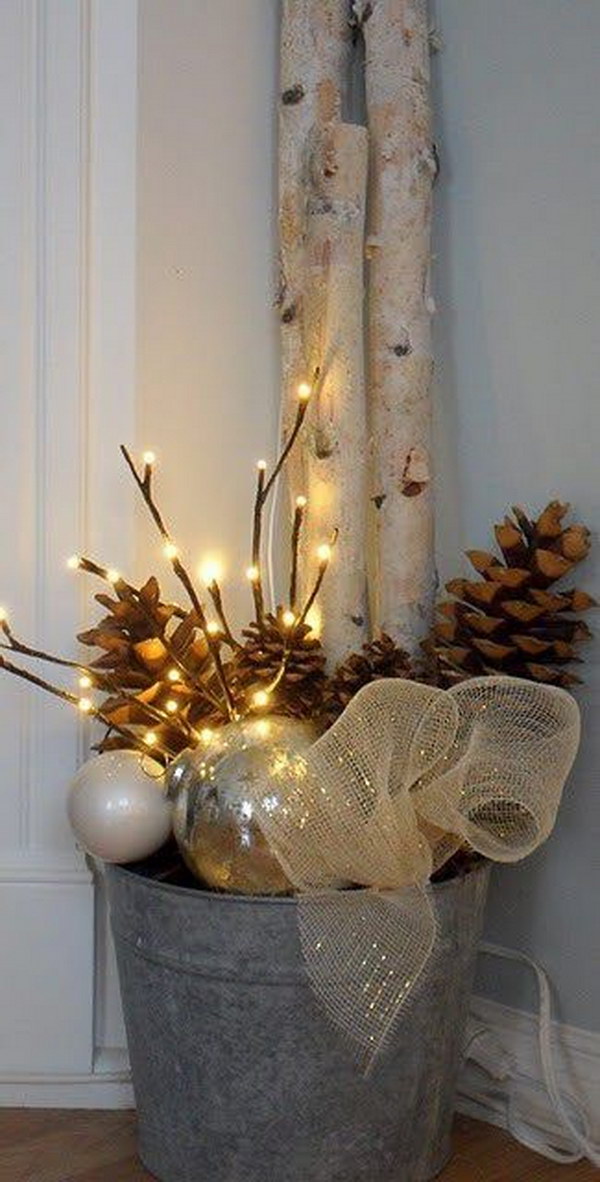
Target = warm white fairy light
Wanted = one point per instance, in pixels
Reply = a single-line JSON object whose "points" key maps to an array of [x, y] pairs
{"points": [[261, 465], [85, 682], [304, 391], [252, 574], [112, 575], [314, 619], [74, 562], [301, 502], [210, 571], [263, 728], [172, 706], [149, 458], [212, 628], [150, 739], [260, 698], [170, 550], [324, 553], [3, 615], [206, 734], [289, 619], [173, 675], [85, 705]]}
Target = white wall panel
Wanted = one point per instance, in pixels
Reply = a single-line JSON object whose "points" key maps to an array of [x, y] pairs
{"points": [[67, 185]]}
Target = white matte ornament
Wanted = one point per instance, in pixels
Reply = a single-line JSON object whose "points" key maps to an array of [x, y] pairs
{"points": [[117, 806]]}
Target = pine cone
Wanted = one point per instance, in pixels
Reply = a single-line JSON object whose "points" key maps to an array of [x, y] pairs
{"points": [[138, 643], [299, 694], [512, 620], [377, 659]]}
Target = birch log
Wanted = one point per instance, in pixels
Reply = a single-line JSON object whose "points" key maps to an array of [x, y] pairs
{"points": [[314, 64], [336, 432], [399, 313]]}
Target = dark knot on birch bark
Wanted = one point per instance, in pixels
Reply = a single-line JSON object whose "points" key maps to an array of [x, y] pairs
{"points": [[293, 94]]}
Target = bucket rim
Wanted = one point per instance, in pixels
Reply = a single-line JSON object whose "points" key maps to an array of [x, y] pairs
{"points": [[126, 872]]}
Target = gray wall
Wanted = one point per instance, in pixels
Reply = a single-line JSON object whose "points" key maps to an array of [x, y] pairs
{"points": [[517, 281]]}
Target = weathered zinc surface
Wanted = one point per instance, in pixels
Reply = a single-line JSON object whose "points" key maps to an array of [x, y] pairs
{"points": [[239, 1075]]}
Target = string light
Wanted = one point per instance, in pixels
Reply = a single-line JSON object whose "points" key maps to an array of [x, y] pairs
{"points": [[85, 682], [3, 615], [314, 619], [173, 675], [324, 553], [261, 465], [150, 739], [260, 698], [74, 562], [252, 574], [301, 502], [304, 391], [112, 575], [211, 571], [263, 728], [212, 628], [206, 734], [288, 618], [170, 551], [172, 706], [149, 458], [85, 705]]}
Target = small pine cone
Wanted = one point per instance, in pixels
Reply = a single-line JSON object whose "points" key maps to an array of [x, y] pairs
{"points": [[512, 619], [377, 659], [257, 663]]}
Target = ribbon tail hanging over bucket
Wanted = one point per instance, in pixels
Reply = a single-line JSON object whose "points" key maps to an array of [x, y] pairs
{"points": [[406, 772]]}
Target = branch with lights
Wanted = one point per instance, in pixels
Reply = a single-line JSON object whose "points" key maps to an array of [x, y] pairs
{"points": [[169, 674]]}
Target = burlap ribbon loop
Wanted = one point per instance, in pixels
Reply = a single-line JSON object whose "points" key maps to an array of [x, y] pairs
{"points": [[406, 775]]}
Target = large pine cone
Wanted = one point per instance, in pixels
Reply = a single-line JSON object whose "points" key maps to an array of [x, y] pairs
{"points": [[257, 663], [139, 638], [510, 621], [379, 658]]}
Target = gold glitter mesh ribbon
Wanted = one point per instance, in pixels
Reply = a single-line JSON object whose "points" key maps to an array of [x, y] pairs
{"points": [[405, 776]]}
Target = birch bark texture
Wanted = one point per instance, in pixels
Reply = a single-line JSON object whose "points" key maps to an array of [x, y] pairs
{"points": [[322, 249], [335, 449], [400, 364], [314, 67]]}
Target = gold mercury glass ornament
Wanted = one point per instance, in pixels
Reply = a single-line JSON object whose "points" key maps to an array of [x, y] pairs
{"points": [[213, 787]]}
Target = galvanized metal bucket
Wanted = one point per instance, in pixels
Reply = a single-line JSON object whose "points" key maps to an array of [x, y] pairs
{"points": [[239, 1075]]}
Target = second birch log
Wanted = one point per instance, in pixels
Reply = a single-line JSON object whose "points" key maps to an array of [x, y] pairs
{"points": [[399, 312]]}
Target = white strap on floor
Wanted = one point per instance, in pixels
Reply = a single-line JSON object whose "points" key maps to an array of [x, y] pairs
{"points": [[577, 1124]]}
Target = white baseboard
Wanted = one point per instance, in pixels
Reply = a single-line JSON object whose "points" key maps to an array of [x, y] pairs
{"points": [[107, 1086], [504, 1049]]}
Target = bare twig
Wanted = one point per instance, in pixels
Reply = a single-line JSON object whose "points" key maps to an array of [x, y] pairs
{"points": [[256, 579], [323, 564], [93, 712], [215, 593], [145, 486], [300, 416], [263, 488], [288, 647], [100, 680], [295, 544]]}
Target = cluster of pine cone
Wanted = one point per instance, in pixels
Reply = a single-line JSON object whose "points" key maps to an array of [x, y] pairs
{"points": [[510, 619]]}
